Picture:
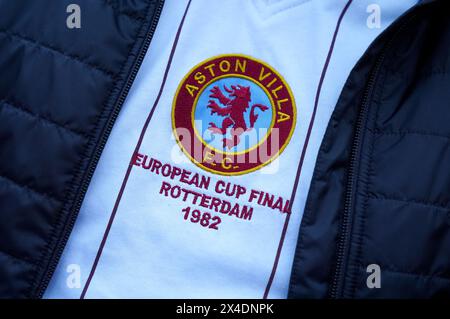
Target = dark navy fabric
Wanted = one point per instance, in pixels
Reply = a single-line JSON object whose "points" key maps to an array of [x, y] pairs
{"points": [[58, 90], [400, 216]]}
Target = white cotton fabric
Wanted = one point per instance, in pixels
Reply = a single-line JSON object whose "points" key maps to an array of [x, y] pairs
{"points": [[151, 251]]}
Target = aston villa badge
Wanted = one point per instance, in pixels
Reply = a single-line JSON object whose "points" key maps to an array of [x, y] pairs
{"points": [[233, 114]]}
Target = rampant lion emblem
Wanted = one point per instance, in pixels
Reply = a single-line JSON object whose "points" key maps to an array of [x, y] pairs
{"points": [[234, 108]]}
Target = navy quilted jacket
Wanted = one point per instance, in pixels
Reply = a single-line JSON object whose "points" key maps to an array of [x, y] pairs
{"points": [[60, 96]]}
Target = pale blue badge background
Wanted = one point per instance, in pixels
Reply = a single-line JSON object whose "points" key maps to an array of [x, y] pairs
{"points": [[203, 115], [151, 251]]}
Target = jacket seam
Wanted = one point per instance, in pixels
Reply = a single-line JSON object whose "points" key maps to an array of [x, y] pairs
{"points": [[27, 113], [16, 258], [409, 201], [29, 189], [409, 132], [131, 15], [408, 273], [50, 48], [422, 75]]}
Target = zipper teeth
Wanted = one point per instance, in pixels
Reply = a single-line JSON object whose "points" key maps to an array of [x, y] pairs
{"points": [[349, 193], [336, 289], [99, 150]]}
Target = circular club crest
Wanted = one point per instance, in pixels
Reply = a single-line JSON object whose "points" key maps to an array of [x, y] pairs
{"points": [[233, 114]]}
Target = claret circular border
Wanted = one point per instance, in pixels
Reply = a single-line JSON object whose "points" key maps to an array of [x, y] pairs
{"points": [[260, 165]]}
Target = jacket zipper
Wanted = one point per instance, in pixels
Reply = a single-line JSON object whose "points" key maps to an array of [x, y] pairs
{"points": [[96, 157], [336, 289]]}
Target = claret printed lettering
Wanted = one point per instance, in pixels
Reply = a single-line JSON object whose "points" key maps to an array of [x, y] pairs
{"points": [[207, 200]]}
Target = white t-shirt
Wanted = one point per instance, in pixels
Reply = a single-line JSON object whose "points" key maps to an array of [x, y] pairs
{"points": [[208, 225]]}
